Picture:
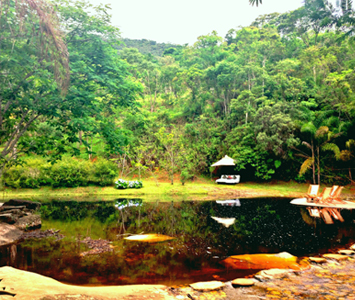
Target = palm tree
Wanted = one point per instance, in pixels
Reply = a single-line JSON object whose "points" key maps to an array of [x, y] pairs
{"points": [[348, 155], [320, 139], [255, 2]]}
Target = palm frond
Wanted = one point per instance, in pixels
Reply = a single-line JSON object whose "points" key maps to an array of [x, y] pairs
{"points": [[306, 165], [346, 6], [321, 131], [255, 2], [332, 147], [302, 155], [308, 127], [307, 144], [345, 155], [350, 143]]}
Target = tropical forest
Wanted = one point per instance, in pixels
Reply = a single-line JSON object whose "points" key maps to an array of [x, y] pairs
{"points": [[80, 105], [112, 150]]}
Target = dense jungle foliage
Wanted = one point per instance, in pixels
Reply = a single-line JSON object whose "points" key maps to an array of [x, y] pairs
{"points": [[147, 46], [277, 96]]}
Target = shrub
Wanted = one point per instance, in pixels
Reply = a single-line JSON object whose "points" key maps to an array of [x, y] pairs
{"points": [[70, 172], [135, 184], [103, 172], [123, 184], [32, 174]]}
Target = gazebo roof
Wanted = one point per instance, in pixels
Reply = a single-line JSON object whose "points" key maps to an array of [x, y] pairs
{"points": [[225, 161]]}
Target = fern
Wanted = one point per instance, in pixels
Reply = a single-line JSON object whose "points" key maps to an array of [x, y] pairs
{"points": [[306, 165], [332, 147], [323, 130], [345, 155], [309, 127]]}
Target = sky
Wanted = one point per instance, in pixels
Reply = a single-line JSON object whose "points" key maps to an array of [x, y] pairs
{"points": [[183, 21]]}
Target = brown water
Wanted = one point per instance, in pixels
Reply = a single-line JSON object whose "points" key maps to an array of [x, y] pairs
{"points": [[200, 242]]}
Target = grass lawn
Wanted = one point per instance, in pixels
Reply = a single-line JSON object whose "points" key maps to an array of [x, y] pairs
{"points": [[161, 189]]}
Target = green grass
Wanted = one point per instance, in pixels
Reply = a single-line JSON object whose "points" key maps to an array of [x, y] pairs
{"points": [[162, 190]]}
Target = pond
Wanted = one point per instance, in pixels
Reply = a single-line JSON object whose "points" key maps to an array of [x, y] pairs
{"points": [[204, 233]]}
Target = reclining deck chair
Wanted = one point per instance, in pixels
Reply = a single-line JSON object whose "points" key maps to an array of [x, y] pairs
{"points": [[335, 194], [312, 193], [325, 196]]}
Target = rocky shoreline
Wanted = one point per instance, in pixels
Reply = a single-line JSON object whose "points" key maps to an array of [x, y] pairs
{"points": [[329, 277], [16, 217]]}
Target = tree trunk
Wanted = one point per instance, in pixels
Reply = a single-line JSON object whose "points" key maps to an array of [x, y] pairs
{"points": [[263, 90], [313, 165], [318, 165], [172, 168], [314, 75]]}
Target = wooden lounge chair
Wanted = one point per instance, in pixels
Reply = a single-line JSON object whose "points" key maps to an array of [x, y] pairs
{"points": [[312, 193], [325, 197], [335, 194]]}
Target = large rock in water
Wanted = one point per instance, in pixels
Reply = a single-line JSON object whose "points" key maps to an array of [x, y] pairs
{"points": [[31, 286], [20, 214], [9, 234], [28, 204], [281, 260]]}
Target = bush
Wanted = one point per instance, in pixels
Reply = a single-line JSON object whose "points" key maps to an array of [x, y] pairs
{"points": [[123, 184], [70, 172], [103, 172], [135, 184], [32, 174]]}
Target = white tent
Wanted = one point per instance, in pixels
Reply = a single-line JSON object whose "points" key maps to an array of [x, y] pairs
{"points": [[225, 161]]}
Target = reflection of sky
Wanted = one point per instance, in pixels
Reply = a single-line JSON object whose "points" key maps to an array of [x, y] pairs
{"points": [[182, 21]]}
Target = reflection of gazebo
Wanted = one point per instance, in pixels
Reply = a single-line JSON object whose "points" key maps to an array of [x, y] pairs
{"points": [[224, 166]]}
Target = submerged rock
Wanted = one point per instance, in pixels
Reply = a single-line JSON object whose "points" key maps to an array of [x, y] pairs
{"points": [[38, 234], [97, 246], [262, 261], [149, 238]]}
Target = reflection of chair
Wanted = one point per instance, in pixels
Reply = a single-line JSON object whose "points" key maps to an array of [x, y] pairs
{"points": [[312, 193], [313, 212], [335, 214], [326, 216]]}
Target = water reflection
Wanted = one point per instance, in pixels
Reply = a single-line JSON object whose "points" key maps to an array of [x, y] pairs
{"points": [[201, 239]]}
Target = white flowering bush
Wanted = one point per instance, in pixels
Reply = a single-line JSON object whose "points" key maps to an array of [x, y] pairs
{"points": [[123, 184], [135, 184]]}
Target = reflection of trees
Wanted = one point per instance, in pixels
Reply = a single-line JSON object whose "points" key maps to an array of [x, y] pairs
{"points": [[201, 242]]}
